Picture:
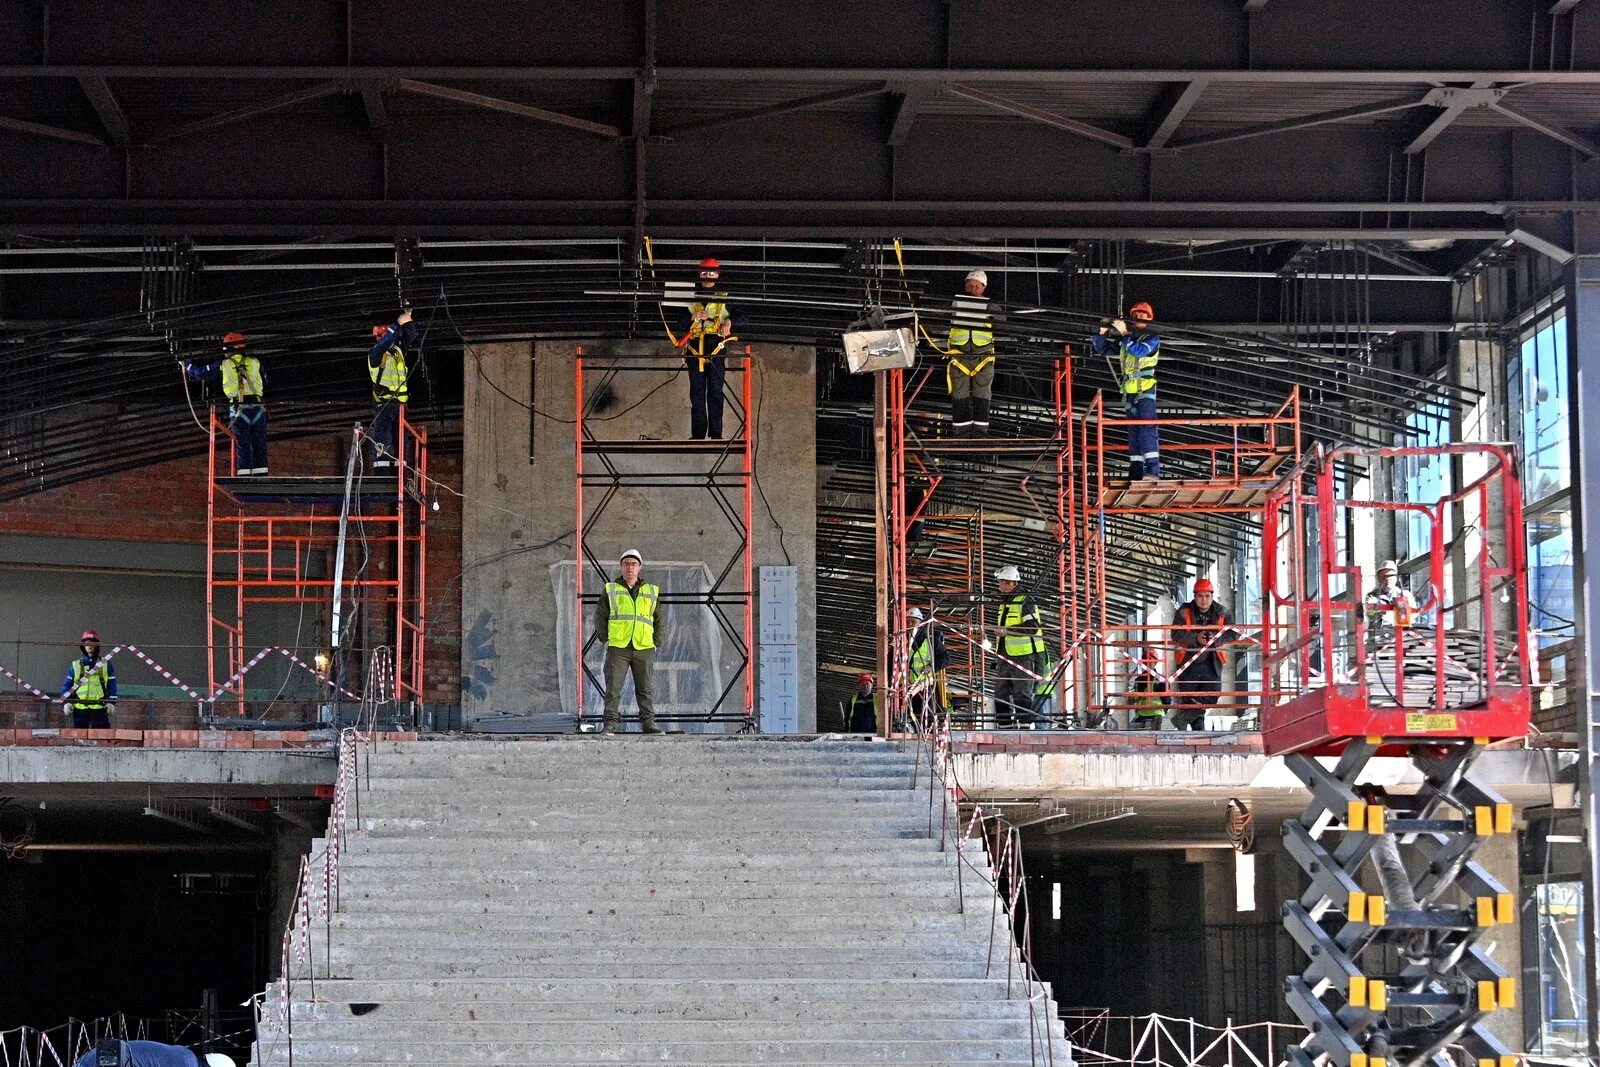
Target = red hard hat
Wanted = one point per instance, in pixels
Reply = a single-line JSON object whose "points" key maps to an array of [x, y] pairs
{"points": [[233, 337], [379, 331], [1147, 311], [865, 676], [710, 263], [89, 635], [1204, 586]]}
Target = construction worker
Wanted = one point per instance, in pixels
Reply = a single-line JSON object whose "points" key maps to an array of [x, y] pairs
{"points": [[245, 387], [1199, 628], [1389, 604], [969, 374], [386, 364], [1139, 350], [629, 618], [110, 1052], [1044, 689], [89, 689], [1019, 639], [708, 326], [926, 644], [1148, 702], [861, 715]]}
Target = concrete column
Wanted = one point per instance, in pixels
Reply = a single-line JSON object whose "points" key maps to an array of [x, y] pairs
{"points": [[519, 514]]}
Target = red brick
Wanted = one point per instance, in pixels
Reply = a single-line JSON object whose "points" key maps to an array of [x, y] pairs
{"points": [[213, 739], [238, 739]]}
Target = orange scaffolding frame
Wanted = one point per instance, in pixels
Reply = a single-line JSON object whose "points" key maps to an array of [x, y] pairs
{"points": [[265, 537], [919, 457], [731, 465]]}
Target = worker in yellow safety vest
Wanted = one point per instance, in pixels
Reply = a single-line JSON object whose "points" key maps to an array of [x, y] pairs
{"points": [[245, 387], [708, 325], [628, 618], [1020, 643], [1138, 349], [89, 691], [969, 374], [386, 364]]}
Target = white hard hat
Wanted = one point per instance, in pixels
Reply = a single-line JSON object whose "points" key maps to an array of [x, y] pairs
{"points": [[1008, 573], [981, 277], [1388, 565], [217, 1059], [915, 613], [634, 553]]}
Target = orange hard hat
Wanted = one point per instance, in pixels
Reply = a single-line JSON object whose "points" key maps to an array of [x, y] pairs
{"points": [[379, 331], [1142, 310], [90, 635], [233, 337], [710, 263], [864, 676], [1204, 586]]}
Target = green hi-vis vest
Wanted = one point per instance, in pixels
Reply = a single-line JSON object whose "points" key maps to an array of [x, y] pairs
{"points": [[631, 622], [241, 377], [89, 691], [1009, 618], [1046, 686], [1146, 705], [1139, 372], [922, 660], [389, 376]]}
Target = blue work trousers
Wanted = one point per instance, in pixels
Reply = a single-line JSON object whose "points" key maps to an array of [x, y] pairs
{"points": [[385, 431], [1144, 441], [248, 424], [705, 396]]}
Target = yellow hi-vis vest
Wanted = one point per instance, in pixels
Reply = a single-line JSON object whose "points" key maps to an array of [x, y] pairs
{"points": [[88, 691], [1145, 704], [389, 376], [1138, 372], [632, 616], [708, 329], [241, 377], [971, 330], [922, 660], [1010, 618]]}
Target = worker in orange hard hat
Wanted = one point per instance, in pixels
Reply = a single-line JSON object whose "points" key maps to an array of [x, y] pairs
{"points": [[708, 324], [861, 716], [386, 365], [1139, 349], [245, 387], [89, 690], [1200, 628]]}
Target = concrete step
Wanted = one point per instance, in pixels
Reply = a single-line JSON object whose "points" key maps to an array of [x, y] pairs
{"points": [[444, 964], [668, 822], [708, 993], [363, 851], [691, 1006], [487, 887], [593, 766], [691, 927], [658, 942], [817, 1050], [654, 905], [655, 748], [647, 1030]]}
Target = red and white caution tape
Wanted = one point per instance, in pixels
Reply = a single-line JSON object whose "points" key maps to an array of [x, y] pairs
{"points": [[168, 675]]}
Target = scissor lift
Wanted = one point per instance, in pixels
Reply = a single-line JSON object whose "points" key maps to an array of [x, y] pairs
{"points": [[1398, 977]]}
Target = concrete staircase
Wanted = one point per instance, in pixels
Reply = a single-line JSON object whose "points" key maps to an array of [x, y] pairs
{"points": [[656, 900]]}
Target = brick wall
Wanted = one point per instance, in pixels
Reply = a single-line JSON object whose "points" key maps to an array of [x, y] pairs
{"points": [[166, 503]]}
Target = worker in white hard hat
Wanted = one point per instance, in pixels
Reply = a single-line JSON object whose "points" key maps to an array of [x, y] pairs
{"points": [[927, 652], [628, 619], [1019, 641], [969, 348], [110, 1052], [1389, 604]]}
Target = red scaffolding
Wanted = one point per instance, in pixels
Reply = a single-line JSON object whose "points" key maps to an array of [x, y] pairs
{"points": [[277, 540], [726, 474]]}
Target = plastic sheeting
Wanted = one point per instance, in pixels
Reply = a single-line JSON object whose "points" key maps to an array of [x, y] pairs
{"points": [[690, 669]]}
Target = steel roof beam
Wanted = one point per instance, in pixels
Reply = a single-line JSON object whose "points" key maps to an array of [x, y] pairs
{"points": [[909, 99], [265, 107], [1452, 102], [1321, 118], [1549, 129], [509, 107], [376, 112], [105, 105], [1048, 118], [1176, 104], [41, 129], [924, 75], [787, 107]]}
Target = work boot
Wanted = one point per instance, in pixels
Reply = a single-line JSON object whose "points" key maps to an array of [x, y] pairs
{"points": [[1152, 468], [612, 728], [650, 728], [1135, 470]]}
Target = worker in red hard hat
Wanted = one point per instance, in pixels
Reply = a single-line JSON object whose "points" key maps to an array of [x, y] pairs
{"points": [[969, 374], [1200, 629], [861, 716], [89, 690], [707, 324], [246, 389], [386, 365], [1138, 348]]}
